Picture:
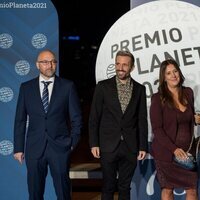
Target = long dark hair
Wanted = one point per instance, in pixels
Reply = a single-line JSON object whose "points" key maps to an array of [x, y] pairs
{"points": [[165, 94]]}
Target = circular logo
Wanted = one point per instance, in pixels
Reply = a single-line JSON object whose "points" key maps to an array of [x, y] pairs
{"points": [[6, 94], [22, 67], [6, 147], [110, 71], [39, 40], [6, 41]]}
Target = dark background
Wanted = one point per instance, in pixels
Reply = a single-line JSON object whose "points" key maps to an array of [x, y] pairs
{"points": [[90, 20]]}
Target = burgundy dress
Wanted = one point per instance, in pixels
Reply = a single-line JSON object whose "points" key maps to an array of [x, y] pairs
{"points": [[169, 174]]}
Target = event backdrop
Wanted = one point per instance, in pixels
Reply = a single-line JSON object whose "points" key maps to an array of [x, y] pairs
{"points": [[149, 30], [134, 3], [154, 31], [26, 27]]}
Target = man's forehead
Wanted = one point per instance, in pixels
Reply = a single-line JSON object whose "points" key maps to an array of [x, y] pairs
{"points": [[46, 54]]}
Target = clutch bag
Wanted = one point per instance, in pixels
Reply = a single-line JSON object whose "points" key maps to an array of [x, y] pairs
{"points": [[189, 163]]}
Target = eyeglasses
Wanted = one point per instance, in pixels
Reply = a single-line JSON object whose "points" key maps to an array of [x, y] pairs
{"points": [[47, 62]]}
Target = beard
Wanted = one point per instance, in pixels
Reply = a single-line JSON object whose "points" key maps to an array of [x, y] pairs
{"points": [[48, 73], [122, 75]]}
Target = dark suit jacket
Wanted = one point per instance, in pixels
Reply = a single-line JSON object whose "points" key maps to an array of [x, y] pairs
{"points": [[60, 126], [164, 126], [107, 122]]}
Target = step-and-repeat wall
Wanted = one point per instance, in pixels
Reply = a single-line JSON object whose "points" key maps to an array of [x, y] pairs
{"points": [[26, 28], [154, 31]]}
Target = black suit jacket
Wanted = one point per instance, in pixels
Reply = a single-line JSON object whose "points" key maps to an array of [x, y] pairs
{"points": [[60, 126], [107, 122]]}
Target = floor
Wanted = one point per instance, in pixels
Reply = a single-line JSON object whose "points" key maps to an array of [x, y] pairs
{"points": [[85, 171], [87, 189], [88, 196]]}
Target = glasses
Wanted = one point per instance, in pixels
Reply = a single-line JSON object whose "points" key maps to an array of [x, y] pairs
{"points": [[47, 62]]}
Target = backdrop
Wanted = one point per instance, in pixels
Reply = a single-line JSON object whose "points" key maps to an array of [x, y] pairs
{"points": [[149, 30], [26, 27], [154, 31]]}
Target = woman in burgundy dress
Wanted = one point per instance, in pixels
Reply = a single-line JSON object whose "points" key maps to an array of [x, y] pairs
{"points": [[172, 121]]}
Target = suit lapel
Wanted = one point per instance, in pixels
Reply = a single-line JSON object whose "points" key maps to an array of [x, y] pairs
{"points": [[115, 95], [36, 94], [53, 95], [132, 102]]}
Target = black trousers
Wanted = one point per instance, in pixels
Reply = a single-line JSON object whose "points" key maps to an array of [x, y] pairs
{"points": [[37, 169], [118, 169]]}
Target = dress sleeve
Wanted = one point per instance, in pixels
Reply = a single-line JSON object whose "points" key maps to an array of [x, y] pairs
{"points": [[157, 123]]}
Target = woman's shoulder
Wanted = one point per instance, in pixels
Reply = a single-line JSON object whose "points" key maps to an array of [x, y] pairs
{"points": [[155, 99], [155, 95], [188, 90]]}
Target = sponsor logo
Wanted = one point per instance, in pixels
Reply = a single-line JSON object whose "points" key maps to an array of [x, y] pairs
{"points": [[39, 40], [6, 94], [6, 41], [6, 147], [22, 67]]}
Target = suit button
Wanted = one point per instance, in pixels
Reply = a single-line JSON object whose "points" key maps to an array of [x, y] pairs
{"points": [[45, 118], [121, 129], [122, 137], [45, 130]]}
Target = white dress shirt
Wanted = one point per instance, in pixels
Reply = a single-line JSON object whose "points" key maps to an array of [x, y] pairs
{"points": [[50, 86]]}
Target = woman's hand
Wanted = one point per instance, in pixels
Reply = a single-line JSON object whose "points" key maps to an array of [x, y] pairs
{"points": [[197, 118], [180, 154]]}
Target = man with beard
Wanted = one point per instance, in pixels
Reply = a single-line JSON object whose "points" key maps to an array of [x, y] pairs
{"points": [[118, 127], [47, 128]]}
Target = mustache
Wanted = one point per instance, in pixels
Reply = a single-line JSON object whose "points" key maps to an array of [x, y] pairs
{"points": [[121, 71]]}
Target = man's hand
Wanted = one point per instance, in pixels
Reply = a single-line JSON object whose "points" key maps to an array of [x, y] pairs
{"points": [[95, 152], [141, 155], [19, 156]]}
